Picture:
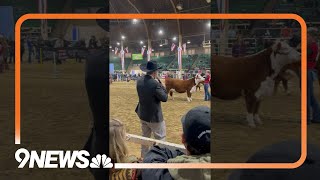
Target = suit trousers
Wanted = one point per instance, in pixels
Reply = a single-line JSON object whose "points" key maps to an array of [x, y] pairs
{"points": [[158, 130]]}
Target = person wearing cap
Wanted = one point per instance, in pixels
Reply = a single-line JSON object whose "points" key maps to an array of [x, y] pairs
{"points": [[196, 137], [283, 152], [151, 93], [312, 52]]}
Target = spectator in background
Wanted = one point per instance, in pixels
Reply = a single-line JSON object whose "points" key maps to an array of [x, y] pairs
{"points": [[93, 43], [119, 152], [196, 137], [239, 48], [207, 95], [1, 55], [286, 32], [22, 49], [30, 48], [12, 48], [312, 52]]}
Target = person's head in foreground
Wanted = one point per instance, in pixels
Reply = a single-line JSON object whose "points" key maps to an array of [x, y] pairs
{"points": [[196, 138], [119, 152], [196, 126], [284, 152], [117, 137]]}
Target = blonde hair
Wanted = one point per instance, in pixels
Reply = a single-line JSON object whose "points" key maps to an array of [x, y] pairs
{"points": [[117, 137]]}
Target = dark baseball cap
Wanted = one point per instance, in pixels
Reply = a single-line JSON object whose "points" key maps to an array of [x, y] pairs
{"points": [[283, 152], [196, 126]]}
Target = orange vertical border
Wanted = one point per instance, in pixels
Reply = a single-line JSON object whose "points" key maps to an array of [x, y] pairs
{"points": [[178, 16]]}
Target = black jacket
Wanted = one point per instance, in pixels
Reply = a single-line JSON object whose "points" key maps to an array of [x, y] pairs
{"points": [[150, 93], [159, 155]]}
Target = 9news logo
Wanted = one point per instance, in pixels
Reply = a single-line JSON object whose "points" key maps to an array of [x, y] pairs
{"points": [[61, 159]]}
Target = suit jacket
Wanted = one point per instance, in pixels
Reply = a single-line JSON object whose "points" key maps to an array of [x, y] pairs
{"points": [[151, 93]]}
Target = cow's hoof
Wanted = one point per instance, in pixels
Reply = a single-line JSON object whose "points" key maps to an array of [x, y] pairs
{"points": [[252, 125], [250, 121], [189, 99], [257, 119]]}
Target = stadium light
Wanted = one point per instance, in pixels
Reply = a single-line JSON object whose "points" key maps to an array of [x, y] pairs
{"points": [[134, 21], [161, 45], [209, 24], [118, 43], [174, 38], [112, 50], [123, 37], [110, 47], [188, 42], [141, 42], [144, 46], [160, 32]]}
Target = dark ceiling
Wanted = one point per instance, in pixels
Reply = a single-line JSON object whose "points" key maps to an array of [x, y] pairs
{"points": [[192, 30]]}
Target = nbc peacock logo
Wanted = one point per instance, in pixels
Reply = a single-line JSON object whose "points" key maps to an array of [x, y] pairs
{"points": [[101, 161]]}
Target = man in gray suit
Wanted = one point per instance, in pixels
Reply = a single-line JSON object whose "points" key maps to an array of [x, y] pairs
{"points": [[151, 93]]}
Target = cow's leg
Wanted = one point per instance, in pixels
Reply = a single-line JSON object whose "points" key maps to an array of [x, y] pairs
{"points": [[171, 94], [256, 116], [276, 85], [250, 101], [189, 96], [285, 86], [169, 91]]}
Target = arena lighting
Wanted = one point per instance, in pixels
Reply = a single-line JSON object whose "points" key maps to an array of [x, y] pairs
{"points": [[188, 42], [152, 50], [134, 21], [179, 5], [112, 50], [141, 42], [123, 37], [209, 24], [110, 47], [161, 45], [118, 43], [174, 38], [144, 46], [160, 32]]}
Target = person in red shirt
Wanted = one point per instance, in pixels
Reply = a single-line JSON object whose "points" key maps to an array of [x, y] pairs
{"points": [[312, 52], [207, 80]]}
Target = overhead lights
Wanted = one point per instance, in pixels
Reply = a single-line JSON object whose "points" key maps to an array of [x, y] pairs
{"points": [[160, 32], [209, 24], [161, 45], [141, 42], [110, 47], [118, 43], [174, 38], [188, 42], [144, 46], [123, 37], [180, 5], [134, 21]]}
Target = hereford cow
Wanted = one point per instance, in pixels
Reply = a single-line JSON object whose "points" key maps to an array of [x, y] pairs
{"points": [[251, 76], [182, 86]]}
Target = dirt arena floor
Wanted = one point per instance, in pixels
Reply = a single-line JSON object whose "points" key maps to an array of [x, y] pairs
{"points": [[56, 115]]}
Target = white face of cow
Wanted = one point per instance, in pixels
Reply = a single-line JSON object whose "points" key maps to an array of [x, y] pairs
{"points": [[282, 55], [198, 79]]}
